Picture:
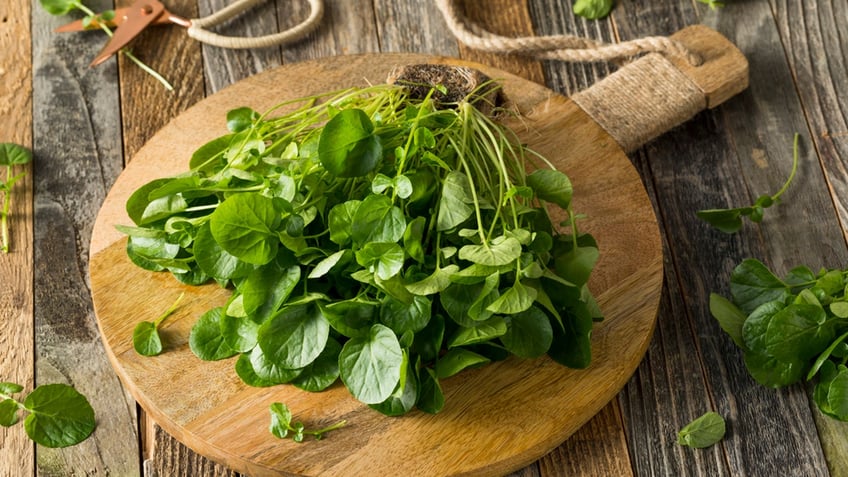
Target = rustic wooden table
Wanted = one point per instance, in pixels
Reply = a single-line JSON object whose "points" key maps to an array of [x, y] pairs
{"points": [[84, 124]]}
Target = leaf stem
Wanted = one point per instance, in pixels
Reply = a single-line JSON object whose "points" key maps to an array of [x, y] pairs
{"points": [[4, 216], [169, 311], [126, 50], [777, 195]]}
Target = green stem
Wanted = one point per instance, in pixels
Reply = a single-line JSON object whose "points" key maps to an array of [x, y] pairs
{"points": [[4, 217], [794, 169], [125, 50], [335, 426], [168, 312], [6, 397]]}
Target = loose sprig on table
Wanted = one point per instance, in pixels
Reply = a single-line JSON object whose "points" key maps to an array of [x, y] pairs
{"points": [[791, 329], [99, 21], [730, 220], [283, 427], [376, 237], [10, 155], [57, 415], [703, 432]]}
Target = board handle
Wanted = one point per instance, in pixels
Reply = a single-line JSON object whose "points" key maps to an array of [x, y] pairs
{"points": [[654, 94]]}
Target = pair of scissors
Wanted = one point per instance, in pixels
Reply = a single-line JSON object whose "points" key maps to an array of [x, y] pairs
{"points": [[129, 22]]}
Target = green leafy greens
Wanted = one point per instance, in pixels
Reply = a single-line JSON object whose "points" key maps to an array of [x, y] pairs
{"points": [[593, 9], [730, 220], [146, 339], [10, 155], [283, 427], [59, 416], [373, 237], [702, 432], [791, 329]]}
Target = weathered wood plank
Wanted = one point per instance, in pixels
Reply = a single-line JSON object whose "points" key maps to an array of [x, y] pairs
{"points": [[172, 459], [223, 67], [816, 49], [16, 302], [348, 27], [146, 105], [78, 155], [414, 27], [720, 159]]}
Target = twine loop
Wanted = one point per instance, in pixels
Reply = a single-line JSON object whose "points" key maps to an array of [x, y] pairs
{"points": [[558, 47], [198, 31]]}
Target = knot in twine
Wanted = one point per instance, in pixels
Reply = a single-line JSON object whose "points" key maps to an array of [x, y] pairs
{"points": [[558, 47]]}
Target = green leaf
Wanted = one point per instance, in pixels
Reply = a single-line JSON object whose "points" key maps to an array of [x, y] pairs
{"points": [[729, 317], [146, 341], [8, 412], [839, 309], [10, 388], [428, 342], [322, 372], [268, 371], [456, 360], [404, 397], [755, 327], [412, 237], [348, 146], [702, 432], [728, 221], [203, 159], [529, 334], [59, 7], [240, 119], [832, 399], [772, 372], [240, 334], [377, 220], [162, 208], [593, 9], [245, 371], [516, 299], [280, 420], [214, 260], [402, 317], [244, 225], [752, 284], [340, 221], [370, 366], [430, 397], [295, 336], [798, 331], [576, 265], [498, 252], [206, 340], [572, 346], [436, 282], [454, 207], [325, 265], [13, 154], [352, 318], [817, 364], [266, 288], [59, 416], [488, 330], [551, 185], [381, 258]]}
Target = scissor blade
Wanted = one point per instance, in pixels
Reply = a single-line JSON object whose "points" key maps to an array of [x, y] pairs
{"points": [[137, 17]]}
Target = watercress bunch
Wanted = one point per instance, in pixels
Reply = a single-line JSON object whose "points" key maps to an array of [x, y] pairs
{"points": [[374, 237], [791, 329]]}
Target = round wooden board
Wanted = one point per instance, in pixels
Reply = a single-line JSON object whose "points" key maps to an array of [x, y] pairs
{"points": [[496, 419]]}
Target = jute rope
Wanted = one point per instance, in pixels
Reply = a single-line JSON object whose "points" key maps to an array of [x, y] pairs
{"points": [[198, 31], [557, 47]]}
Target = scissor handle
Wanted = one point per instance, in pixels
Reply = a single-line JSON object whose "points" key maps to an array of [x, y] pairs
{"points": [[198, 31]]}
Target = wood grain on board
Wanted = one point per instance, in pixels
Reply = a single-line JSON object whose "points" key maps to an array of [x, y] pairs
{"points": [[206, 406]]}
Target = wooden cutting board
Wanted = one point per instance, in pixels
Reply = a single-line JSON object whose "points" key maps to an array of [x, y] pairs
{"points": [[496, 419]]}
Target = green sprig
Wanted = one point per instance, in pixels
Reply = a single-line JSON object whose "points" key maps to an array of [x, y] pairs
{"points": [[10, 155], [283, 427], [58, 415], [94, 20], [730, 220]]}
